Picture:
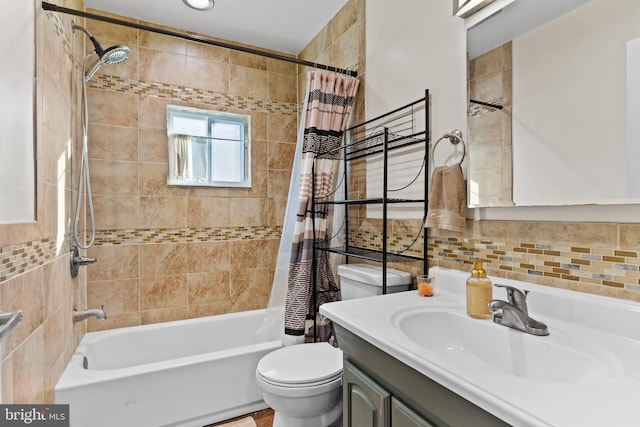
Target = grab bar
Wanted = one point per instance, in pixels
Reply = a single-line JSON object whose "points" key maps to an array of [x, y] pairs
{"points": [[9, 320]]}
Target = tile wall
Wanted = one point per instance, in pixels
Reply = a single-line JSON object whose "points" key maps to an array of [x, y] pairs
{"points": [[489, 141], [34, 257], [340, 43], [170, 253]]}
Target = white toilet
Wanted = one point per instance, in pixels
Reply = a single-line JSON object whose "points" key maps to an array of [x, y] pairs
{"points": [[303, 383]]}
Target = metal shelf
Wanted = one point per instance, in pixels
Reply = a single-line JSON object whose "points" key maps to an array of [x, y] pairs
{"points": [[370, 254], [372, 201], [374, 143]]}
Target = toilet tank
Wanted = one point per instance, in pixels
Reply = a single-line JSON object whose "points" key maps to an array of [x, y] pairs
{"points": [[363, 280]]}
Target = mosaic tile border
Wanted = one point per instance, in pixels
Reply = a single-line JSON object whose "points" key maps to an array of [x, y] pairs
{"points": [[596, 266], [24, 257], [62, 34], [136, 236], [189, 94], [600, 266], [396, 242]]}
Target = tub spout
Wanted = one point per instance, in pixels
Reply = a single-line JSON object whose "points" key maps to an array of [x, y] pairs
{"points": [[98, 313]]}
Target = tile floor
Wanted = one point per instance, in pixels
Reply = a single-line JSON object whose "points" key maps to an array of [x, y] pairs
{"points": [[261, 418]]}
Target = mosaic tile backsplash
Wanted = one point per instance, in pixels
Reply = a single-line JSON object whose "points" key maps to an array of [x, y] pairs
{"points": [[600, 258]]}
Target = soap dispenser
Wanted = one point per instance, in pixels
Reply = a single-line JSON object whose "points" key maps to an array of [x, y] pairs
{"points": [[479, 292]]}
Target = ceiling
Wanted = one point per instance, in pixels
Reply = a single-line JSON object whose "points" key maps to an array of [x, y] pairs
{"points": [[282, 25]]}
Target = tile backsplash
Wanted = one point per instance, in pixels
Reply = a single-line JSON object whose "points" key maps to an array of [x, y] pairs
{"points": [[599, 258]]}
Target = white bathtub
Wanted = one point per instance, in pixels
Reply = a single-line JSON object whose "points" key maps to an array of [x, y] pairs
{"points": [[185, 373]]}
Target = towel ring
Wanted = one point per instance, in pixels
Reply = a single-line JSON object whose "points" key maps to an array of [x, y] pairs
{"points": [[455, 138]]}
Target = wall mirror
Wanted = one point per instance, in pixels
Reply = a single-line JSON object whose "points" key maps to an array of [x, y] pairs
{"points": [[575, 99], [208, 148], [17, 115]]}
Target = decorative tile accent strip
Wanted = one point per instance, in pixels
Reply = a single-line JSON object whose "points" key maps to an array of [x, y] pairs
{"points": [[62, 33], [396, 242], [183, 93], [138, 236], [575, 263], [19, 259]]}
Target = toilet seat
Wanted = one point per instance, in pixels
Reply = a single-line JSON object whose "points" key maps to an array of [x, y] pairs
{"points": [[301, 366]]}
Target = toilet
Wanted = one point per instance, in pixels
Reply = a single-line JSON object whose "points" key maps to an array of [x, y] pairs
{"points": [[303, 383]]}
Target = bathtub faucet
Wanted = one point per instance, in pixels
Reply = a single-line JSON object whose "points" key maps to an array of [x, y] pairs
{"points": [[98, 313], [78, 261]]}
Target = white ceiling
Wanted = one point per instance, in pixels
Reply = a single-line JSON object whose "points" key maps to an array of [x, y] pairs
{"points": [[282, 25]]}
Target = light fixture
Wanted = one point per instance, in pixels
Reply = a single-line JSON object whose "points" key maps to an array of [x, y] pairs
{"points": [[200, 4]]}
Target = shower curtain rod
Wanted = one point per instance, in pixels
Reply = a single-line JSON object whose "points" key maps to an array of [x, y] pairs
{"points": [[194, 38]]}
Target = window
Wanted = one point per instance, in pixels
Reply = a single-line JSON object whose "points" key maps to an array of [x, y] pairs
{"points": [[208, 148]]}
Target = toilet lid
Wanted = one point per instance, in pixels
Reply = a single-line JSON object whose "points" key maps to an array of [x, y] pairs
{"points": [[301, 364]]}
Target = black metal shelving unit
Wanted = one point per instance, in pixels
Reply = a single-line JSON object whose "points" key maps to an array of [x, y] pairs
{"points": [[400, 128]]}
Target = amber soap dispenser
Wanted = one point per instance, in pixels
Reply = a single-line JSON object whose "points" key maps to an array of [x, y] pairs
{"points": [[479, 292]]}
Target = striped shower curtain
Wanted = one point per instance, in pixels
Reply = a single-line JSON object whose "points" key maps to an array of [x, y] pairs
{"points": [[330, 99]]}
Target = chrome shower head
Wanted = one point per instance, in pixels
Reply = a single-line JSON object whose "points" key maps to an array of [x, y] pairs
{"points": [[109, 56], [115, 55]]}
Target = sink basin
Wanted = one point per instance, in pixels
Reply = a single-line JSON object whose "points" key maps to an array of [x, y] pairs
{"points": [[452, 336]]}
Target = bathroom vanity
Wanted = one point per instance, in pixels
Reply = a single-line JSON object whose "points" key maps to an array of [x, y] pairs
{"points": [[379, 390], [418, 361]]}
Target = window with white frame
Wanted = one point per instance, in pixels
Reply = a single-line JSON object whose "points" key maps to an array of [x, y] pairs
{"points": [[208, 148]]}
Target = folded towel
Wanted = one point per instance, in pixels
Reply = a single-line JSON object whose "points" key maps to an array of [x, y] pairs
{"points": [[448, 200]]}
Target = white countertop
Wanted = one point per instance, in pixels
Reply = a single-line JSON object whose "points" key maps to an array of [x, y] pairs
{"points": [[599, 332]]}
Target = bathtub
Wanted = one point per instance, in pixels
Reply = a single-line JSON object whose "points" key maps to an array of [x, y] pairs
{"points": [[184, 373]]}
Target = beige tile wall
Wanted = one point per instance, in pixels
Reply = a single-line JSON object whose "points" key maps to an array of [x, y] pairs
{"points": [[34, 257], [169, 253], [340, 43], [490, 148]]}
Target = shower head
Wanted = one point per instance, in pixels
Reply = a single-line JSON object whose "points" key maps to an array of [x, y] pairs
{"points": [[109, 56], [115, 55]]}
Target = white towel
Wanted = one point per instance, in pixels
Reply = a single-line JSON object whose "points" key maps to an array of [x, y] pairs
{"points": [[448, 200]]}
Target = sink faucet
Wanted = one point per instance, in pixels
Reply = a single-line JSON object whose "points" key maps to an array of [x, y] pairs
{"points": [[98, 313], [513, 313]]}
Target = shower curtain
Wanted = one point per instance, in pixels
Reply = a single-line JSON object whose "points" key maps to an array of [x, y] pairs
{"points": [[330, 99], [329, 89]]}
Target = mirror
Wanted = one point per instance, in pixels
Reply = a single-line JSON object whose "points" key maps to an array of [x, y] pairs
{"points": [[17, 115], [575, 92]]}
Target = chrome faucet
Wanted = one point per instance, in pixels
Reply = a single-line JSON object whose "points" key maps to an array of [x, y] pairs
{"points": [[98, 313], [513, 313]]}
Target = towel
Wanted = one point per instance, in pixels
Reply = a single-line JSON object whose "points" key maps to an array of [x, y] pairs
{"points": [[448, 201]]}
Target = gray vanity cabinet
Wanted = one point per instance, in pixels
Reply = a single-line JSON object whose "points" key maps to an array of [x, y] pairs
{"points": [[403, 416], [381, 391], [367, 404]]}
